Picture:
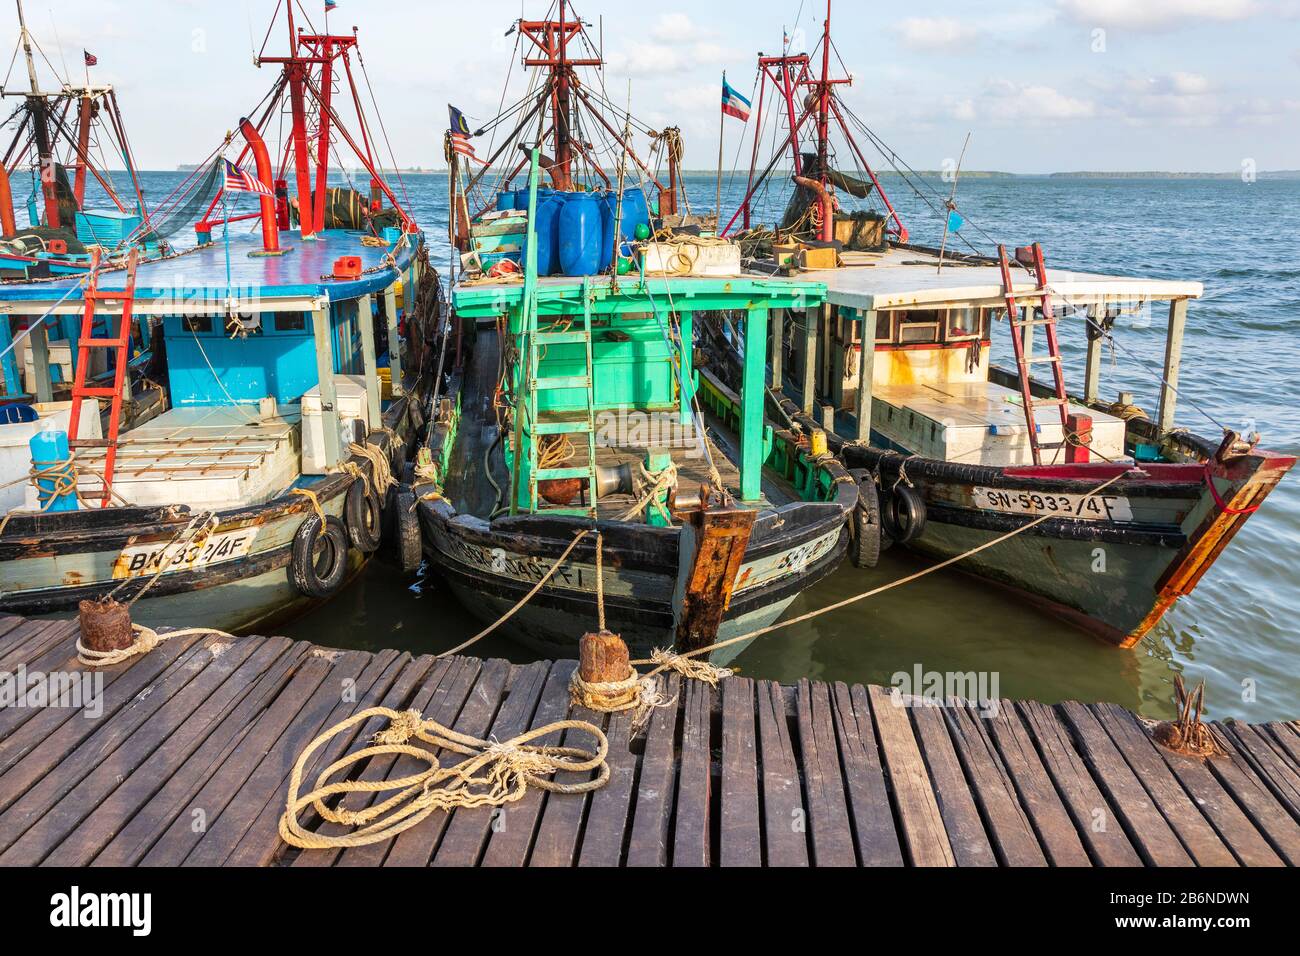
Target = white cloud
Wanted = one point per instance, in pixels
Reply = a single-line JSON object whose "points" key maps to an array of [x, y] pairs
{"points": [[674, 28], [1005, 102], [676, 44], [936, 33], [1157, 14]]}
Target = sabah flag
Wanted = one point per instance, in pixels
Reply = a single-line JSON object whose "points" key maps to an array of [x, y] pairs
{"points": [[733, 104]]}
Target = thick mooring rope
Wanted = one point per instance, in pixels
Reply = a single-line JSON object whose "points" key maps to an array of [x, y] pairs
{"points": [[493, 774], [147, 639]]}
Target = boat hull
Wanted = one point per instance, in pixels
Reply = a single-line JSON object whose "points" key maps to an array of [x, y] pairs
{"points": [[1148, 539], [491, 568]]}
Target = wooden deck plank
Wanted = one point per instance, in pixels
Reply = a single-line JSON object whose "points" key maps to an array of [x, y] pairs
{"points": [[785, 818], [971, 846], [105, 816], [610, 809], [652, 808], [922, 826], [42, 743], [1287, 739], [224, 780], [1238, 778], [738, 800], [261, 845], [510, 844], [12, 622], [1198, 836], [416, 846], [58, 798], [559, 833], [1270, 765], [445, 699], [819, 752], [412, 691], [1094, 818], [1034, 788], [160, 803], [33, 639], [468, 830], [692, 828], [875, 836], [351, 670], [1006, 820], [1151, 833]]}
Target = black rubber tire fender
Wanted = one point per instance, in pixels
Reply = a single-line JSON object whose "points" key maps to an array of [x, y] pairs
{"points": [[904, 514], [365, 517], [319, 563], [409, 543], [868, 540]]}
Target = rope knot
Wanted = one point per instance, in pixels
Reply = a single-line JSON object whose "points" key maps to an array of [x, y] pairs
{"points": [[691, 668], [403, 729]]}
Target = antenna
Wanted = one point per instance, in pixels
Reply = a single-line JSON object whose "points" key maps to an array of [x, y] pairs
{"points": [[951, 206]]}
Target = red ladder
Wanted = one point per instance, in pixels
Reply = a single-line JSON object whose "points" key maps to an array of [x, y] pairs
{"points": [[121, 344], [1032, 259]]}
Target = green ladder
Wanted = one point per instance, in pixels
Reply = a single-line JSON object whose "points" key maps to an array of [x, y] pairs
{"points": [[538, 342]]}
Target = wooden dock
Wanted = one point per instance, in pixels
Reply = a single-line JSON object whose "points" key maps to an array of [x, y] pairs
{"points": [[189, 761]]}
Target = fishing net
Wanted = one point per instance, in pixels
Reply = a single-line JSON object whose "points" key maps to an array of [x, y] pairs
{"points": [[349, 209], [166, 223]]}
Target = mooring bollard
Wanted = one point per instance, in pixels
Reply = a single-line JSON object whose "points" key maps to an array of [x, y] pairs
{"points": [[603, 658], [106, 626]]}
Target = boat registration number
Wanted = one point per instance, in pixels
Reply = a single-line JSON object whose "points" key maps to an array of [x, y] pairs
{"points": [[143, 559], [1078, 507]]}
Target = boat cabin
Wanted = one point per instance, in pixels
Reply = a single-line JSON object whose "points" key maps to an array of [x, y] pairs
{"points": [[930, 387]]}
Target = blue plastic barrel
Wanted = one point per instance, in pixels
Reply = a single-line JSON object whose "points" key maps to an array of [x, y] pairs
{"points": [[607, 202], [580, 236], [636, 212], [548, 221], [49, 449], [506, 201]]}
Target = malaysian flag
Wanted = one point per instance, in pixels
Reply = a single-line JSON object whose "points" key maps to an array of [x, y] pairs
{"points": [[239, 181], [733, 104], [91, 59], [460, 134]]}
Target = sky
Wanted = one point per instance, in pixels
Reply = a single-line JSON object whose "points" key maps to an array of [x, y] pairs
{"points": [[1056, 85]]}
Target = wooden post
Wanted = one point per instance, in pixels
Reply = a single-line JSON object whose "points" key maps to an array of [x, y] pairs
{"points": [[753, 404], [1027, 331], [810, 319], [40, 343], [369, 362], [394, 340], [321, 330], [866, 374], [603, 659], [9, 364], [778, 349], [686, 324], [1173, 360], [1092, 368], [106, 626]]}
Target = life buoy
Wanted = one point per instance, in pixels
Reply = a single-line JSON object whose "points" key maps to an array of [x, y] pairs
{"points": [[868, 540], [365, 517], [903, 515], [320, 557]]}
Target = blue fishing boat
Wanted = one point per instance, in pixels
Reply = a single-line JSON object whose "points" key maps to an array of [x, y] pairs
{"points": [[294, 368]]}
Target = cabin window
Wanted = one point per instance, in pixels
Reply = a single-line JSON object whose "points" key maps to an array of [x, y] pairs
{"points": [[918, 333], [290, 322], [963, 325], [885, 328], [198, 324]]}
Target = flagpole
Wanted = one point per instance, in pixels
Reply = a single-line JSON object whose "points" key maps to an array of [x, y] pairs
{"points": [[722, 131]]}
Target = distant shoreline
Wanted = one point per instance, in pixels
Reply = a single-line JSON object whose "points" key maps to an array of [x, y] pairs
{"points": [[1276, 174]]}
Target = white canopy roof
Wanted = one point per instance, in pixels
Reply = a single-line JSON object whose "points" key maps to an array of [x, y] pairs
{"points": [[903, 278]]}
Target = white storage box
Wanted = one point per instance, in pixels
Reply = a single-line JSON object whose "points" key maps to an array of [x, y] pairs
{"points": [[350, 393], [706, 259], [16, 455]]}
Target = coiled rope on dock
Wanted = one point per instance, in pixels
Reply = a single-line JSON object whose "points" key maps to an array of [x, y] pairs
{"points": [[493, 774]]}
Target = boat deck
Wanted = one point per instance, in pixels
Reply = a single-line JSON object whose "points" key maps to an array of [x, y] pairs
{"points": [[195, 281], [205, 729]]}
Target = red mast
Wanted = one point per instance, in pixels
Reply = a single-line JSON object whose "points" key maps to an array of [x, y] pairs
{"points": [[552, 39]]}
